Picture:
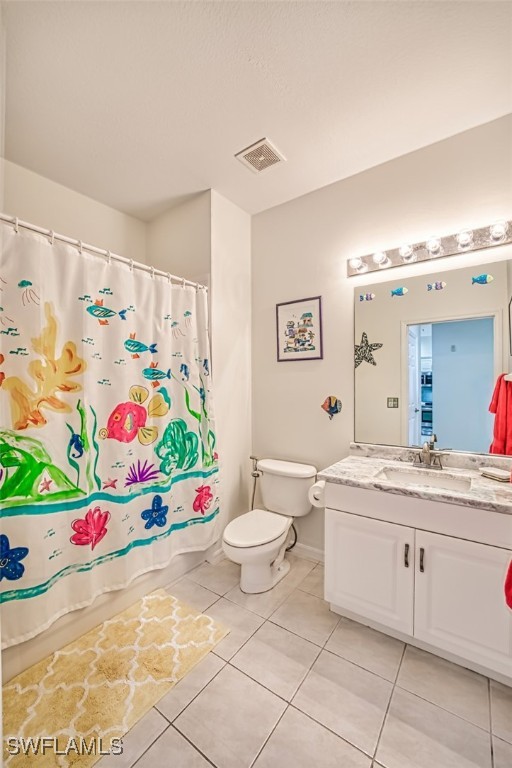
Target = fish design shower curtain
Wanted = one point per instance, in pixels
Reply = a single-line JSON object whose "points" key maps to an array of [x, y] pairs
{"points": [[108, 462]]}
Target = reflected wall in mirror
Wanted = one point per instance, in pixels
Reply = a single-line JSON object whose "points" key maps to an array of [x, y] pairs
{"points": [[445, 341]]}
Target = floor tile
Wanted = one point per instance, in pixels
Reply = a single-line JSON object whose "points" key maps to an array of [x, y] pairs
{"points": [[366, 647], [417, 734], [172, 749], [277, 659], [193, 594], [502, 753], [219, 578], [501, 711], [136, 741], [307, 616], [265, 603], [346, 699], [450, 686], [231, 719], [183, 692], [241, 623], [314, 582], [299, 742]]}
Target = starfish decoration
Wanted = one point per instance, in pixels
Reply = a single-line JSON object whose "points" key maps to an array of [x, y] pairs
{"points": [[45, 484], [109, 483], [363, 351], [157, 515]]}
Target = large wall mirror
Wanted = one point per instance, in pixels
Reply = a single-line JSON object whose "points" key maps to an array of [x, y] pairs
{"points": [[428, 352]]}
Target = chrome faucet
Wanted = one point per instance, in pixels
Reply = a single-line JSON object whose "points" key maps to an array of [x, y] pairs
{"points": [[428, 456]]}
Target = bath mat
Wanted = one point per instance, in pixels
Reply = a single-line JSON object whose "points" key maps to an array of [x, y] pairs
{"points": [[85, 697]]}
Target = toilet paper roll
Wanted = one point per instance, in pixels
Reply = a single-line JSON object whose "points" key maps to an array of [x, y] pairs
{"points": [[316, 494]]}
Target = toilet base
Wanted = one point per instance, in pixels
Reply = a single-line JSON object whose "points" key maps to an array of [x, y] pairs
{"points": [[255, 579]]}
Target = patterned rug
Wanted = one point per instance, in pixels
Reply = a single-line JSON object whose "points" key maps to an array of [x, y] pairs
{"points": [[85, 697]]}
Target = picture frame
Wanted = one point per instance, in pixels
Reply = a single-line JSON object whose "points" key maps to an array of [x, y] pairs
{"points": [[299, 330]]}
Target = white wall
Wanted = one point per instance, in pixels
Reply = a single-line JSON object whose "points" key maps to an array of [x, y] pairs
{"points": [[300, 249], [179, 240], [231, 349], [38, 200]]}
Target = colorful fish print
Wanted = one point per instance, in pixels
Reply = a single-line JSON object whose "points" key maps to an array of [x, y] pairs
{"points": [[102, 313], [437, 286], [332, 405], [399, 291], [136, 348], [366, 296], [76, 444], [482, 279], [128, 420], [154, 374]]}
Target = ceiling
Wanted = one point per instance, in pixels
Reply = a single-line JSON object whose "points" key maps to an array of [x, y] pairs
{"points": [[140, 104]]}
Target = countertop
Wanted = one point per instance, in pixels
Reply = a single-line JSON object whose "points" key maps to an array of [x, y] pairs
{"points": [[360, 472]]}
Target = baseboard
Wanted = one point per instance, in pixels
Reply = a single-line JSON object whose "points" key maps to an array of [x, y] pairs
{"points": [[215, 554], [308, 553]]}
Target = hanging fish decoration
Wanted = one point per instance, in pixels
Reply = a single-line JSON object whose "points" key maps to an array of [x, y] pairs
{"points": [[399, 291], [366, 296], [437, 286], [332, 405], [482, 279]]}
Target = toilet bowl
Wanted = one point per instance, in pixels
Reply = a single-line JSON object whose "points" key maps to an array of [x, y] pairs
{"points": [[257, 540]]}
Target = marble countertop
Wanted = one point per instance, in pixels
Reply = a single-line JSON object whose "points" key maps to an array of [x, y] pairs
{"points": [[361, 472]]}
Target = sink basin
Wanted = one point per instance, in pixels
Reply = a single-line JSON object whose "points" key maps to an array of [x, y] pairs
{"points": [[430, 478]]}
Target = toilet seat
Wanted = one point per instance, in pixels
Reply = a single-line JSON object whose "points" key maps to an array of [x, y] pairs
{"points": [[254, 528]]}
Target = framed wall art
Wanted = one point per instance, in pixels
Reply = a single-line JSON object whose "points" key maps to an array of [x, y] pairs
{"points": [[299, 330]]}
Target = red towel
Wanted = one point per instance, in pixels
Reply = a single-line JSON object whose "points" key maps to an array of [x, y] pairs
{"points": [[508, 586], [501, 405]]}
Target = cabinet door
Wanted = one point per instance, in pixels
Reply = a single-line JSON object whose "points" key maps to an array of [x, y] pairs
{"points": [[369, 568], [459, 602]]}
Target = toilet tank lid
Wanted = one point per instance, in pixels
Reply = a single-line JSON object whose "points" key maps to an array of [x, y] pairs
{"points": [[286, 468]]}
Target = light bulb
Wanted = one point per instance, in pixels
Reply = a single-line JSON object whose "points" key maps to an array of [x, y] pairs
{"points": [[433, 245], [380, 257], [405, 251], [498, 231], [465, 238], [356, 262]]}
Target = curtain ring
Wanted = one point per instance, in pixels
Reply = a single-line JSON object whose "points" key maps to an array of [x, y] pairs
{"points": [[109, 258], [169, 278], [152, 273], [16, 225], [52, 237], [80, 247], [183, 283], [131, 265]]}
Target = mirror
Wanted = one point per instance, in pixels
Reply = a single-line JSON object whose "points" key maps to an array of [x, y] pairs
{"points": [[428, 351]]}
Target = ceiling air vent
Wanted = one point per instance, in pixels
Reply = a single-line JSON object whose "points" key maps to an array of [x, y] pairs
{"points": [[260, 156]]}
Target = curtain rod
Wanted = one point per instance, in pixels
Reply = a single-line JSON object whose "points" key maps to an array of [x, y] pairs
{"points": [[51, 235]]}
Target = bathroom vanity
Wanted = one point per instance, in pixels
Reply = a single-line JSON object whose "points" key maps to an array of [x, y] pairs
{"points": [[422, 555]]}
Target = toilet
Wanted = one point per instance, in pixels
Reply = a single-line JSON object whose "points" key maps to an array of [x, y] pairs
{"points": [[257, 540]]}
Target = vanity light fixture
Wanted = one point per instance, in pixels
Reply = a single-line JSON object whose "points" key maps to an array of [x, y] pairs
{"points": [[433, 247]]}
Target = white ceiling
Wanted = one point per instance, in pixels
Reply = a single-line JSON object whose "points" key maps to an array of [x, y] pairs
{"points": [[138, 104]]}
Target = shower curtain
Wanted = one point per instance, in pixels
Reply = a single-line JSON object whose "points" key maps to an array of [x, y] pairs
{"points": [[108, 462]]}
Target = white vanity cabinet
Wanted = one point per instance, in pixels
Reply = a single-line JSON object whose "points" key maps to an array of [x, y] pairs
{"points": [[394, 563], [369, 568], [459, 601]]}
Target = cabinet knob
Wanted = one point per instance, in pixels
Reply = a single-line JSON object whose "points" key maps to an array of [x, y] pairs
{"points": [[422, 559]]}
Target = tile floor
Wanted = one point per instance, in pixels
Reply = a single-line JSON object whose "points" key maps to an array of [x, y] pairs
{"points": [[296, 685]]}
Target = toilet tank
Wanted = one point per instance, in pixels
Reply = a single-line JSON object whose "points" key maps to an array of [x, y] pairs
{"points": [[284, 486]]}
